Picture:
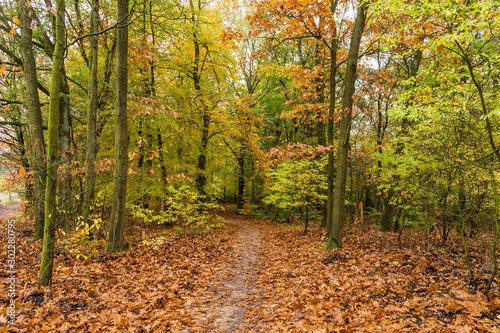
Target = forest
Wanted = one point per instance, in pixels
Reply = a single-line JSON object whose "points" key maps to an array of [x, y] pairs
{"points": [[250, 166]]}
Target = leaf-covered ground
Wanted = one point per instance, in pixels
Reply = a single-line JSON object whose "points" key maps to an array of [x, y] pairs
{"points": [[254, 276]]}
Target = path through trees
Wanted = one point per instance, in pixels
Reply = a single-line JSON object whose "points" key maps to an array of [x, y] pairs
{"points": [[251, 275]]}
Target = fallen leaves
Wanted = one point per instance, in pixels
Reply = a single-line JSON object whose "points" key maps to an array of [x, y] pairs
{"points": [[370, 285], [142, 290], [290, 285]]}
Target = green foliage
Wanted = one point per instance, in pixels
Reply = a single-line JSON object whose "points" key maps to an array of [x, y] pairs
{"points": [[80, 244], [269, 212], [297, 183], [150, 216], [155, 242], [179, 230], [248, 209], [182, 205]]}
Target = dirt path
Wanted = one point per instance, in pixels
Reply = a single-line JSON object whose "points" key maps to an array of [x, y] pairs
{"points": [[11, 209], [235, 291], [239, 286]]}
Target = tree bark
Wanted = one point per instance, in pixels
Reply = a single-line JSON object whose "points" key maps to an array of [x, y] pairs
{"points": [[91, 153], [201, 177], [24, 159], [64, 153], [115, 237], [35, 124], [241, 179], [320, 124], [47, 262], [335, 236], [330, 170]]}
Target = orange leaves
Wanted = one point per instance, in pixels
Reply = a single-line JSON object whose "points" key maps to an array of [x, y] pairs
{"points": [[230, 34], [148, 107], [22, 172], [277, 155], [179, 177], [138, 289], [372, 287], [291, 18]]}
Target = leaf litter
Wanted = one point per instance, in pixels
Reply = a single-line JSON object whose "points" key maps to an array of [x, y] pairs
{"points": [[254, 276]]}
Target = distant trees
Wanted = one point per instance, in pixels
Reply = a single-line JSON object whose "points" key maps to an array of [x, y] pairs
{"points": [[409, 46], [92, 110], [443, 137], [297, 185]]}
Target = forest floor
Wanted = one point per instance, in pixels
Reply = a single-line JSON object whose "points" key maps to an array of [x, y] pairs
{"points": [[250, 275]]}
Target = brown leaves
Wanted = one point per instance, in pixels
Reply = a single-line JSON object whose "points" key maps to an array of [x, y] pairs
{"points": [[370, 286], [143, 290]]}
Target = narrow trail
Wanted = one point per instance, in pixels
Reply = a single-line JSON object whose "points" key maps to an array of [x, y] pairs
{"points": [[234, 291], [9, 210], [239, 284]]}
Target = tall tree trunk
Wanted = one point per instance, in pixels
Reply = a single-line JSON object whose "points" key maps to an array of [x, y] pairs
{"points": [[331, 123], [241, 179], [64, 153], [201, 177], [320, 125], [24, 159], [335, 236], [47, 263], [91, 153], [37, 141], [320, 87], [115, 237]]}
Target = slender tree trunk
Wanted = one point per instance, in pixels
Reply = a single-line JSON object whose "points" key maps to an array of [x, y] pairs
{"points": [[320, 125], [91, 153], [115, 237], [307, 218], [320, 87], [64, 153], [24, 159], [335, 236], [162, 159], [201, 177], [330, 170], [484, 108], [37, 141], [47, 263], [241, 180]]}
